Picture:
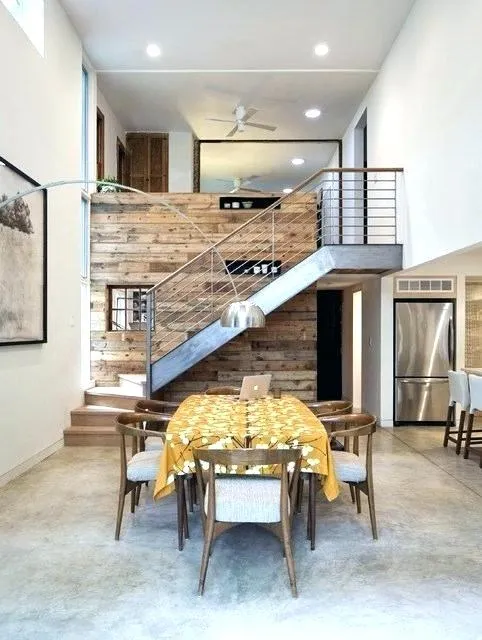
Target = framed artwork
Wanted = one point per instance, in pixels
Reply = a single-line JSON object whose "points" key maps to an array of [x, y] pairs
{"points": [[23, 260]]}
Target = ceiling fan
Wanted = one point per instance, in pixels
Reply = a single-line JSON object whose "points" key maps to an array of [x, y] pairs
{"points": [[242, 115], [238, 184]]}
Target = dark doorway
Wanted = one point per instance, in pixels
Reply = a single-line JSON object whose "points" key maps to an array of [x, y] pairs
{"points": [[329, 327]]}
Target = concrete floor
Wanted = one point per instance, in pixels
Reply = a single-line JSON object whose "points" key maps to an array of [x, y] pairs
{"points": [[63, 576]]}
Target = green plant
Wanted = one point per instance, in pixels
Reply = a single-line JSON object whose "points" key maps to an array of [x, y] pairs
{"points": [[105, 188]]}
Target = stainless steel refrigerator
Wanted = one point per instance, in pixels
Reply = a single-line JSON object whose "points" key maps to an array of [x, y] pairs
{"points": [[424, 352]]}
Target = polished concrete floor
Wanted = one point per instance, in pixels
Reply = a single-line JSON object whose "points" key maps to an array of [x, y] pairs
{"points": [[63, 576]]}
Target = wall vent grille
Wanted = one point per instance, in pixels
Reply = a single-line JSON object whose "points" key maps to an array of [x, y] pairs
{"points": [[425, 285]]}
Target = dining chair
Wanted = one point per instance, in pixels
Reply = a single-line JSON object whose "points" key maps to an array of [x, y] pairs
{"points": [[475, 390], [234, 499], [350, 467], [167, 409], [459, 394], [223, 391], [143, 466], [326, 408]]}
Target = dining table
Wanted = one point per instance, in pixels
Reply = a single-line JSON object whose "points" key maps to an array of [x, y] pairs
{"points": [[225, 422]]}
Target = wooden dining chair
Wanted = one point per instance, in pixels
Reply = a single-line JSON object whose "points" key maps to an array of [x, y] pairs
{"points": [[166, 409], [143, 466], [473, 444], [350, 466], [234, 499], [223, 391], [459, 394]]}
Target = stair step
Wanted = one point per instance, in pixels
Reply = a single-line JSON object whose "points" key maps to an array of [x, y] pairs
{"points": [[134, 383], [85, 436], [95, 416], [116, 397]]}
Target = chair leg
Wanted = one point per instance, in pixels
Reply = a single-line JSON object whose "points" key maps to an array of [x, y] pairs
{"points": [[194, 488], [358, 499], [371, 507], [450, 416], [120, 510], [208, 540], [468, 436], [288, 552], [312, 514], [138, 493], [133, 498], [185, 518], [460, 433], [179, 484], [299, 494], [352, 493]]}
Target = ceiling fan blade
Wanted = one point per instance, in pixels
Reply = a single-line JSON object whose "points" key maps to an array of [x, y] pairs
{"points": [[250, 179], [266, 127], [235, 190], [251, 190], [249, 114], [232, 132], [218, 120]]}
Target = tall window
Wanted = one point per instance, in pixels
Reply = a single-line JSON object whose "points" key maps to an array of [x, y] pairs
{"points": [[100, 144], [30, 15], [84, 157]]}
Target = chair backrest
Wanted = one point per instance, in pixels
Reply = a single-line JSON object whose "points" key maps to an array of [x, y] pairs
{"points": [[131, 424], [331, 407], [351, 427], [156, 406], [223, 391], [475, 386], [459, 389], [250, 457]]}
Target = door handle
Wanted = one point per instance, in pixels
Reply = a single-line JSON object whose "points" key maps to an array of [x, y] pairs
{"points": [[450, 340], [427, 382]]}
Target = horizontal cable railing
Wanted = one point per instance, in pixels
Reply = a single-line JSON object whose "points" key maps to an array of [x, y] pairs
{"points": [[336, 206]]}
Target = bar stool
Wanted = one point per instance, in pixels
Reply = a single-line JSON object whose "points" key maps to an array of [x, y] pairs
{"points": [[475, 388], [459, 394]]}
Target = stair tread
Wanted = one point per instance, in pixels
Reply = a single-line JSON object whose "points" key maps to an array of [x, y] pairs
{"points": [[98, 408], [89, 429], [136, 378], [114, 391]]}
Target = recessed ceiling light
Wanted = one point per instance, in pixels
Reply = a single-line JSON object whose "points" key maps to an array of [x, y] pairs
{"points": [[313, 113], [287, 190], [321, 49], [297, 161], [153, 50]]}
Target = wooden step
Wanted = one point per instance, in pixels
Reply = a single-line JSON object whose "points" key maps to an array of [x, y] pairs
{"points": [[85, 436], [95, 416], [116, 397]]}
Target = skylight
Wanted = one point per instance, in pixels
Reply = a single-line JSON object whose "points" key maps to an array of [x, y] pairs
{"points": [[30, 16]]}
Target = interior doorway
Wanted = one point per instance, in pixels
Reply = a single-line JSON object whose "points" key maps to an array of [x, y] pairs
{"points": [[329, 333], [357, 350]]}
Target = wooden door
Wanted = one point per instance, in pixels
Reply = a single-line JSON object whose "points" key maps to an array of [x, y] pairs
{"points": [[149, 159]]}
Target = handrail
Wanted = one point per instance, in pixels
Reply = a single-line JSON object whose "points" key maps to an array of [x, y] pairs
{"points": [[271, 207]]}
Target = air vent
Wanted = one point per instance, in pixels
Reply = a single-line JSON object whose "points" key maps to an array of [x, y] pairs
{"points": [[425, 285]]}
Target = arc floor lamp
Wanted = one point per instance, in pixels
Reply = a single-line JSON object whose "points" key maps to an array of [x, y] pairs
{"points": [[241, 314]]}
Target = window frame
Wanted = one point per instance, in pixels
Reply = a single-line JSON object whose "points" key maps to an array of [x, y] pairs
{"points": [[142, 289]]}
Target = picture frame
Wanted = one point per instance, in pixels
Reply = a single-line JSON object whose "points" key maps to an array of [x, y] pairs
{"points": [[23, 260]]}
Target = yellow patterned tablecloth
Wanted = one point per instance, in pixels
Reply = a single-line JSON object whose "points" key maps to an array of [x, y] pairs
{"points": [[223, 422]]}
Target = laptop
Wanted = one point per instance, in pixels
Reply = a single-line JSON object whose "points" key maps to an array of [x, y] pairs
{"points": [[254, 387]]}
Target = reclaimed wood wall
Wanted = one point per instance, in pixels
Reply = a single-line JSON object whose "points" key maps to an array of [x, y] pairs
{"points": [[135, 240]]}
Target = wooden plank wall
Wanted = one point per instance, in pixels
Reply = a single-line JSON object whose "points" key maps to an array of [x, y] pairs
{"points": [[135, 240]]}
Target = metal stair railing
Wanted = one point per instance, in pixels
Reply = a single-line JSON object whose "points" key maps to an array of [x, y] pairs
{"points": [[333, 206]]}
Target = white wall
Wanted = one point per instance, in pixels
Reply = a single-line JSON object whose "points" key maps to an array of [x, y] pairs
{"points": [[180, 162], [113, 129], [424, 114], [41, 114]]}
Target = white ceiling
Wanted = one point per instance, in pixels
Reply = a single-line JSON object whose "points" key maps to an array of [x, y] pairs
{"points": [[219, 53], [222, 162]]}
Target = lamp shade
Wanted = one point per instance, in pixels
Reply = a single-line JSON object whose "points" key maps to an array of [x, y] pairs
{"points": [[242, 315]]}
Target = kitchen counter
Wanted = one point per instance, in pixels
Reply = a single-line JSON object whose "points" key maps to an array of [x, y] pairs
{"points": [[475, 371]]}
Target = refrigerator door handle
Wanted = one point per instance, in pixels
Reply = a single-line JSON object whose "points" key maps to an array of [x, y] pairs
{"points": [[450, 341], [428, 381]]}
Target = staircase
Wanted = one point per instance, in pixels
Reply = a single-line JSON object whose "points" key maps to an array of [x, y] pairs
{"points": [[271, 258], [93, 423]]}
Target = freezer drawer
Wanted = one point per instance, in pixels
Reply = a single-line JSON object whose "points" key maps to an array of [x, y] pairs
{"points": [[421, 400]]}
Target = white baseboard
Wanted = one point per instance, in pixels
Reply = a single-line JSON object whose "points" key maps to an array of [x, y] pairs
{"points": [[386, 423], [30, 462]]}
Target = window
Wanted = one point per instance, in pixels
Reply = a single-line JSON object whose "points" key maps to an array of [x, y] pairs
{"points": [[84, 158], [30, 15], [84, 233], [127, 308], [100, 144]]}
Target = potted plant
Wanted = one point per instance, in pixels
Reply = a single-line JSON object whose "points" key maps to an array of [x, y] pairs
{"points": [[108, 188]]}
